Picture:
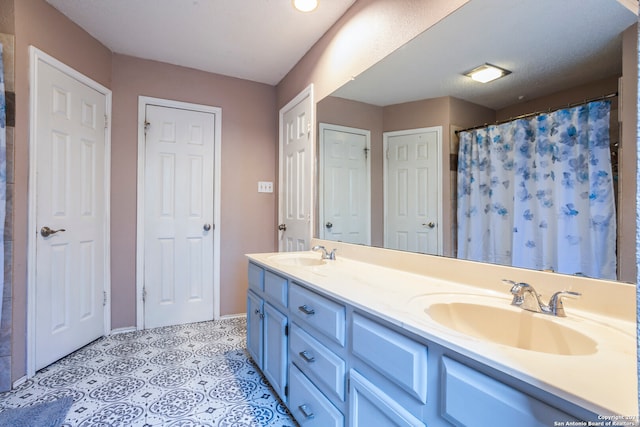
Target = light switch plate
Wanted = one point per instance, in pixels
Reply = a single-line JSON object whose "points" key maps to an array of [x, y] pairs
{"points": [[265, 187]]}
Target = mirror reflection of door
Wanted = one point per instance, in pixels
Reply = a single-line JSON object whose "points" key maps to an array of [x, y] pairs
{"points": [[295, 205], [412, 186], [345, 205]]}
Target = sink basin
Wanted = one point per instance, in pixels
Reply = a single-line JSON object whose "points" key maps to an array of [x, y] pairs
{"points": [[511, 326], [298, 259]]}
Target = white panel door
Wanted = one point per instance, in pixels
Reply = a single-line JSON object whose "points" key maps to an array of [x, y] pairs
{"points": [[296, 171], [178, 201], [70, 214], [345, 182], [412, 199]]}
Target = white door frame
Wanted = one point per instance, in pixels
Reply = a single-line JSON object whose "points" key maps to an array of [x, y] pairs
{"points": [[35, 56], [143, 101], [306, 92], [385, 165], [346, 129]]}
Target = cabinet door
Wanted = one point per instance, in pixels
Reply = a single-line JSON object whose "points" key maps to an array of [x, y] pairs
{"points": [[254, 327], [275, 349], [370, 406]]}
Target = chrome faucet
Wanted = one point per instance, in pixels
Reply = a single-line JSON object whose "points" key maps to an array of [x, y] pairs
{"points": [[526, 297], [325, 255]]}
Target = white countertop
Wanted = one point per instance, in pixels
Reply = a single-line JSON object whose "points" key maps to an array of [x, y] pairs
{"points": [[604, 382]]}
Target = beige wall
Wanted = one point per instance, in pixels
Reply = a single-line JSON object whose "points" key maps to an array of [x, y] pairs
{"points": [[249, 150]]}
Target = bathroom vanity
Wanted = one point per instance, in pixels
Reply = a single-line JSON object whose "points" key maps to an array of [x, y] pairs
{"points": [[358, 342]]}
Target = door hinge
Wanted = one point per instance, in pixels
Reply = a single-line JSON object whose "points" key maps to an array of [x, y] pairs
{"points": [[286, 390], [104, 298], [146, 126], [144, 294], [387, 154], [366, 152], [106, 121], [286, 330]]}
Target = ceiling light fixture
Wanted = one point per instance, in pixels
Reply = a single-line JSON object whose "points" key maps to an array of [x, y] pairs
{"points": [[486, 73], [305, 5]]}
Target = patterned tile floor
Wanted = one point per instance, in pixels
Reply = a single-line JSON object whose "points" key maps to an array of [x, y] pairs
{"points": [[187, 375]]}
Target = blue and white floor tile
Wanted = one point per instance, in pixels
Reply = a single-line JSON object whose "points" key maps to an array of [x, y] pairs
{"points": [[187, 375]]}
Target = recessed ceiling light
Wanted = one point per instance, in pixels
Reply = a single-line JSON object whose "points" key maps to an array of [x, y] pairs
{"points": [[486, 73], [305, 5]]}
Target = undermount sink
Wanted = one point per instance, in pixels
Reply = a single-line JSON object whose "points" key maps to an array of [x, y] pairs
{"points": [[510, 326], [300, 259]]}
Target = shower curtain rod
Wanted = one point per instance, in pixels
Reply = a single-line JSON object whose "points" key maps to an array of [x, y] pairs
{"points": [[550, 110]]}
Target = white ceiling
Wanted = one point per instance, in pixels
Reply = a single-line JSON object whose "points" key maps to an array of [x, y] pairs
{"points": [[549, 45], [258, 40]]}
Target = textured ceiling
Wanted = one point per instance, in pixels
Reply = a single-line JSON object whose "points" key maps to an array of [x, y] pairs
{"points": [[258, 40]]}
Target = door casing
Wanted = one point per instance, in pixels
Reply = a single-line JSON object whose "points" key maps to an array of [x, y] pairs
{"points": [[35, 56], [143, 101]]}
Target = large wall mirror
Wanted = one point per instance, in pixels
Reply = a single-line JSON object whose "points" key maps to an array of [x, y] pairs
{"points": [[558, 53]]}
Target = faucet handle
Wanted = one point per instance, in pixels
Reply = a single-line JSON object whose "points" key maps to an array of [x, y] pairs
{"points": [[332, 254], [516, 287], [555, 303], [518, 290]]}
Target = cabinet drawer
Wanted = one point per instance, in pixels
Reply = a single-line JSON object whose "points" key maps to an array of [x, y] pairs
{"points": [[471, 398], [398, 358], [317, 361], [275, 287], [256, 278], [323, 314], [308, 405]]}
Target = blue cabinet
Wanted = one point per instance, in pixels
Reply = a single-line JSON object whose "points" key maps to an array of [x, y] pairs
{"points": [[267, 326], [274, 357], [254, 327], [347, 367]]}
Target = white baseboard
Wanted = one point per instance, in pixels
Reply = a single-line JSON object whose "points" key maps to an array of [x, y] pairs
{"points": [[233, 316], [123, 330], [19, 382], [133, 328]]}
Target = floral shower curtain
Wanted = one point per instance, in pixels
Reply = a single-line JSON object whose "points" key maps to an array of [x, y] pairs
{"points": [[3, 174], [538, 193]]}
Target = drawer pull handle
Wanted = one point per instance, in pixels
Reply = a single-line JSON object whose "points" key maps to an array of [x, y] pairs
{"points": [[307, 357], [306, 411], [306, 309]]}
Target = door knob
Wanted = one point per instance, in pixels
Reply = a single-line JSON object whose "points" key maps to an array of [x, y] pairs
{"points": [[430, 225], [46, 231], [328, 225], [282, 227], [207, 227]]}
